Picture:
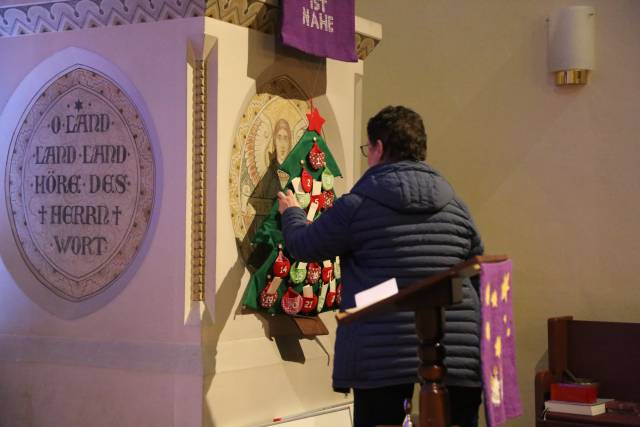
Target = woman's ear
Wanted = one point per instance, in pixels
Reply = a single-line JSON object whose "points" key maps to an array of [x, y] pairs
{"points": [[375, 153], [380, 145], [379, 148]]}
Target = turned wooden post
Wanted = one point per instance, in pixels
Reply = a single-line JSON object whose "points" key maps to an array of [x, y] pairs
{"points": [[434, 398]]}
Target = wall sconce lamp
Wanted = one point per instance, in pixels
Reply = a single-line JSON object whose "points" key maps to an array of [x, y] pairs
{"points": [[571, 32]]}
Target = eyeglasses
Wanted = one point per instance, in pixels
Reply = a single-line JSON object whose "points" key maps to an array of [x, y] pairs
{"points": [[364, 149]]}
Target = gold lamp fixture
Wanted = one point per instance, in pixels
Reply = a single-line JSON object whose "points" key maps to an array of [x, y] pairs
{"points": [[571, 32]]}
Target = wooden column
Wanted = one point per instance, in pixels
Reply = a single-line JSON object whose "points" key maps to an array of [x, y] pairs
{"points": [[434, 398]]}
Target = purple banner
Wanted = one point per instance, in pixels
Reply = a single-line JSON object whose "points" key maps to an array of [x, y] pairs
{"points": [[498, 350], [323, 28]]}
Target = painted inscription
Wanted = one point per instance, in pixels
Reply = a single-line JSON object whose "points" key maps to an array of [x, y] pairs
{"points": [[80, 184], [316, 16]]}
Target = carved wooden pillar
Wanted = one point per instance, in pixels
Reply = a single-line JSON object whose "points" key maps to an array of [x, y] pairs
{"points": [[434, 398]]}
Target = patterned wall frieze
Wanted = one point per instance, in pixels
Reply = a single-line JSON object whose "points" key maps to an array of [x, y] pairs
{"points": [[80, 14], [68, 15], [255, 14]]}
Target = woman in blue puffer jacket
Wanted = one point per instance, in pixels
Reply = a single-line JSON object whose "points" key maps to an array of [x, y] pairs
{"points": [[401, 220]]}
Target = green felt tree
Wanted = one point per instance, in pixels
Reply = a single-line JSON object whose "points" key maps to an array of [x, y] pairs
{"points": [[282, 285]]}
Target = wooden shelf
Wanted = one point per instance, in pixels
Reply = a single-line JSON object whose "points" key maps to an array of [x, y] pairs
{"points": [[280, 325], [310, 326]]}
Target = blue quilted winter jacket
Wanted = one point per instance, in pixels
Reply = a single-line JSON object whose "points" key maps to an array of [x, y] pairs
{"points": [[400, 220]]}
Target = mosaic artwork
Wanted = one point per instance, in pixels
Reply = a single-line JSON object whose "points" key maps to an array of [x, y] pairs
{"points": [[272, 123]]}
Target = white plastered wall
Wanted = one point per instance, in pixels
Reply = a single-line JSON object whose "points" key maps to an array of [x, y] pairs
{"points": [[125, 357], [247, 382]]}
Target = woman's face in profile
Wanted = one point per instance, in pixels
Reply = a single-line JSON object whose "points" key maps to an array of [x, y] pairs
{"points": [[282, 145]]}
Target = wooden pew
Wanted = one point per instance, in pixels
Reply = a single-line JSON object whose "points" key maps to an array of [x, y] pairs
{"points": [[607, 352]]}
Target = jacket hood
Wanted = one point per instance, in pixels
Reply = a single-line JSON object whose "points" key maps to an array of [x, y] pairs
{"points": [[406, 186]]}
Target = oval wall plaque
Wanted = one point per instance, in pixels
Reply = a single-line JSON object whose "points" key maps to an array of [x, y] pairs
{"points": [[80, 184]]}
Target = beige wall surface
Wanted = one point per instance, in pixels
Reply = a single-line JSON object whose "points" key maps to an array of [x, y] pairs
{"points": [[549, 173], [124, 357], [251, 376]]}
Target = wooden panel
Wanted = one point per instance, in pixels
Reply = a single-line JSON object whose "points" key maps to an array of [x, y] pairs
{"points": [[311, 326], [608, 352], [557, 345]]}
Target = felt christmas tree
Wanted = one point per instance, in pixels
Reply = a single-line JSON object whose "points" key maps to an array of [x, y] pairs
{"points": [[283, 285]]}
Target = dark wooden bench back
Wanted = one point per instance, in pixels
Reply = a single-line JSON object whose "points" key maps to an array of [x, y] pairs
{"points": [[607, 352]]}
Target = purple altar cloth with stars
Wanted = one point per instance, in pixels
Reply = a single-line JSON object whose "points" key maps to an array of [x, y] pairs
{"points": [[497, 348]]}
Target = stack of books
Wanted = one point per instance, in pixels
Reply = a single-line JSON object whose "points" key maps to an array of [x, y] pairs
{"points": [[596, 408], [578, 398]]}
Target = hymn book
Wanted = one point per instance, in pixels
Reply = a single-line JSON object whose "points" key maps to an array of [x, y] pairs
{"points": [[596, 408]]}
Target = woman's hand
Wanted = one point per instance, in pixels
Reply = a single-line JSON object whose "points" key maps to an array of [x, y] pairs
{"points": [[286, 201]]}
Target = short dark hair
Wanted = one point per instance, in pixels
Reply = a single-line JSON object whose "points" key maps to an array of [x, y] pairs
{"points": [[401, 131]]}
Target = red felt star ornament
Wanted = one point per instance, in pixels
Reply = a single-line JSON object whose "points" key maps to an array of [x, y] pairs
{"points": [[315, 120]]}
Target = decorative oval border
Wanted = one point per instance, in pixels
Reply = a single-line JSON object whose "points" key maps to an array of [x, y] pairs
{"points": [[40, 265], [23, 102]]}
